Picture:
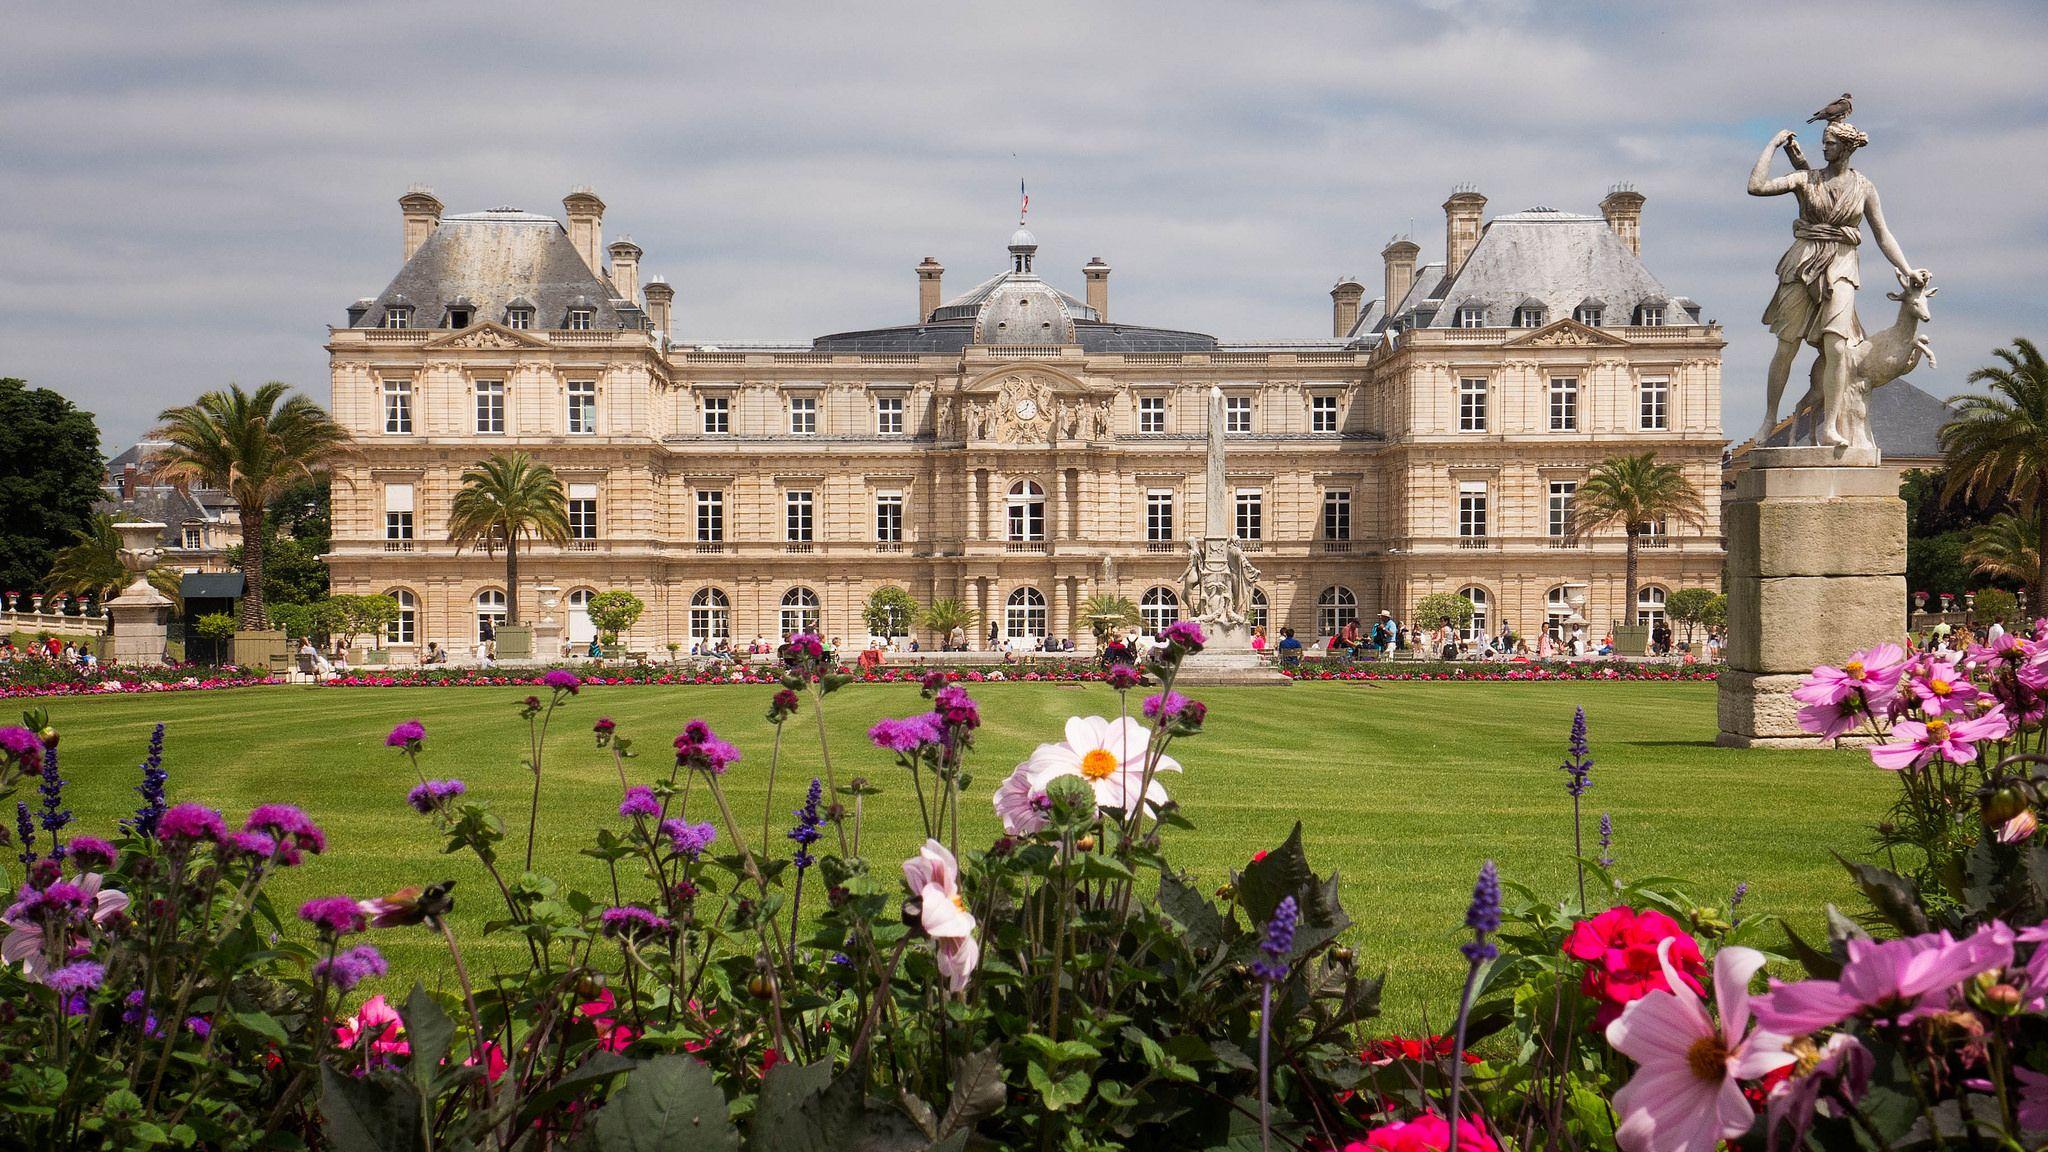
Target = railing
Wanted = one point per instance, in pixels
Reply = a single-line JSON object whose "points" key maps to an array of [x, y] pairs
{"points": [[800, 547], [1151, 357], [398, 545], [710, 547], [1251, 545], [1562, 543], [396, 335], [888, 545], [1337, 547], [1162, 546], [1034, 547], [1023, 353], [582, 545], [1653, 541], [1476, 543], [55, 623]]}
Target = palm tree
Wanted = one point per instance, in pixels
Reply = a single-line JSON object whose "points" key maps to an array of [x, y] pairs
{"points": [[1632, 491], [250, 445], [2006, 547], [1105, 612], [1997, 446], [503, 498], [945, 614], [91, 565]]}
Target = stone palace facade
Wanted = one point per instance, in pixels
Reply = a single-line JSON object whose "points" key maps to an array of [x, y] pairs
{"points": [[1016, 447]]}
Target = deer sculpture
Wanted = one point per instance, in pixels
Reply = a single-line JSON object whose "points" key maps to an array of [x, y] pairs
{"points": [[1878, 359]]}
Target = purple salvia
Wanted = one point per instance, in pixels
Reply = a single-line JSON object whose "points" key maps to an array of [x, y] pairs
{"points": [[1578, 762], [1279, 941], [152, 787], [1606, 840], [1483, 917], [25, 826]]}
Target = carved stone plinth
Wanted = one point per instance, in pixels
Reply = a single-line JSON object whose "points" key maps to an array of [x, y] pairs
{"points": [[1227, 658], [139, 614], [1816, 570]]}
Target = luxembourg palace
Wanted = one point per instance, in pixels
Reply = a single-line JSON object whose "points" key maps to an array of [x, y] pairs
{"points": [[1016, 447]]}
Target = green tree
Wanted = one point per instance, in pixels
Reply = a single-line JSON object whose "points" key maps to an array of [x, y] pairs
{"points": [[1716, 614], [216, 628], [312, 620], [945, 614], [1935, 564], [505, 497], [1996, 604], [614, 612], [1997, 445], [352, 616], [250, 445], [91, 565], [50, 474], [1632, 491], [1106, 613], [1689, 606], [1440, 608], [889, 611], [2004, 549], [295, 536]]}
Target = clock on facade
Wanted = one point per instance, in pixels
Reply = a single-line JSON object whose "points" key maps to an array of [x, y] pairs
{"points": [[1027, 409]]}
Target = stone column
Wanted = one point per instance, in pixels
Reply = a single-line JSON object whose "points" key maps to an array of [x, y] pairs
{"points": [[1816, 571]]}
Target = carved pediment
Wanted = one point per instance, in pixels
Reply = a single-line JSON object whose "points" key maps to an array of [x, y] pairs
{"points": [[1567, 334], [487, 336]]}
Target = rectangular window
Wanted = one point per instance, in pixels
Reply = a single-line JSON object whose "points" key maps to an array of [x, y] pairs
{"points": [[1251, 514], [1655, 404], [1589, 316], [1471, 405], [1159, 514], [519, 318], [803, 415], [1237, 414], [1472, 508], [1151, 414], [1528, 316], [398, 407], [797, 525], [888, 415], [458, 318], [1322, 413], [1561, 493], [1650, 316], [710, 517], [889, 517], [717, 415], [490, 407], [579, 319], [1564, 404], [582, 407], [194, 537], [1337, 514], [398, 510], [582, 511], [398, 317], [1471, 316]]}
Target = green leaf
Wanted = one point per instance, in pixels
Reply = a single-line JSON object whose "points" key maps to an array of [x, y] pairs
{"points": [[1186, 907], [431, 1033], [371, 1114], [804, 1108], [668, 1104], [1894, 897], [1818, 964], [263, 1024], [1057, 1094], [977, 1092], [1282, 873]]}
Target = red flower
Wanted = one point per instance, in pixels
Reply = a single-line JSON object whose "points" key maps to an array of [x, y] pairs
{"points": [[1619, 948]]}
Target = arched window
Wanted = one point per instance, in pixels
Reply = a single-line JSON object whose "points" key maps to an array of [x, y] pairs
{"points": [[404, 629], [1477, 629], [1335, 608], [1258, 608], [1557, 611], [710, 617], [1649, 606], [799, 611], [1027, 511], [490, 608], [1024, 615], [1158, 608], [581, 630]]}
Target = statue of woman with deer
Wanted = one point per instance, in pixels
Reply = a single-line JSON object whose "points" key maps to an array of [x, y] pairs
{"points": [[1817, 280]]}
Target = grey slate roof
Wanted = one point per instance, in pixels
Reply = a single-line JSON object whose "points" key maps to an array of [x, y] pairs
{"points": [[1906, 421], [163, 504], [1558, 258], [494, 258], [211, 586]]}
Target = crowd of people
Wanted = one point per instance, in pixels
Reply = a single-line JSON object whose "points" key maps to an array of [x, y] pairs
{"points": [[49, 650]]}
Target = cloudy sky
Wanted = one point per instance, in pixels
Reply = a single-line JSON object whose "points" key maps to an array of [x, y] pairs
{"points": [[189, 194]]}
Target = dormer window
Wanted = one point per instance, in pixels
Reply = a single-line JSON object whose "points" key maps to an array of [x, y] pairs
{"points": [[519, 318], [1529, 316], [397, 317], [1588, 314], [458, 317], [1471, 316], [1650, 315], [579, 319]]}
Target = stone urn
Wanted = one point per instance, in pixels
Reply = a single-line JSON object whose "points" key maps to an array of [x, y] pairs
{"points": [[139, 610]]}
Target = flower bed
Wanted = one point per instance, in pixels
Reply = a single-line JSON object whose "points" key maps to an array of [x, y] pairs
{"points": [[33, 678], [1503, 671]]}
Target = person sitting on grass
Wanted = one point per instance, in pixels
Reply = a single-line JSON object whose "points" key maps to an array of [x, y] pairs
{"points": [[1290, 648]]}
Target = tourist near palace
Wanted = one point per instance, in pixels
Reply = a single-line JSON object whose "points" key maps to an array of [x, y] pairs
{"points": [[1017, 447]]}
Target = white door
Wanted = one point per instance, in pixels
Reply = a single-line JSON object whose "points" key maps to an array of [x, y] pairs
{"points": [[581, 630]]}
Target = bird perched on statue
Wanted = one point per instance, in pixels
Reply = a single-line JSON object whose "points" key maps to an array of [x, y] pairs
{"points": [[1837, 111]]}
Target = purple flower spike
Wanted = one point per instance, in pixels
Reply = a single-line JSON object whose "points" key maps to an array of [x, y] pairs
{"points": [[1578, 763], [1272, 962], [1483, 917]]}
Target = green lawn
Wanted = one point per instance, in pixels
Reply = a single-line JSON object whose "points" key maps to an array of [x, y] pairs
{"points": [[1404, 788]]}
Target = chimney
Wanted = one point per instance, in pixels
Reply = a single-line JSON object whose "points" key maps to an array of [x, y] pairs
{"points": [[1624, 211], [1400, 255], [1462, 213], [929, 273], [586, 226], [626, 269], [128, 481], [660, 298], [422, 216], [1344, 301], [1097, 272]]}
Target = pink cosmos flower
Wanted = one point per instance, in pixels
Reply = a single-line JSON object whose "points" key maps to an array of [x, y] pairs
{"points": [[1898, 979], [1941, 688], [381, 1023], [1915, 744], [1428, 1132], [23, 943], [1108, 754], [1841, 1072], [1684, 1096], [1018, 805], [1872, 674], [612, 1036], [2033, 1104], [2020, 828], [934, 876]]}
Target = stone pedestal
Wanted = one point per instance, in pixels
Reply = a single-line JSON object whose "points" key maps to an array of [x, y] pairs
{"points": [[1227, 658], [1816, 571], [140, 613]]}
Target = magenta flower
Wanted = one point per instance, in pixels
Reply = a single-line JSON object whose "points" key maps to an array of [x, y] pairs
{"points": [[1899, 980], [907, 735], [639, 801], [1185, 633], [431, 794], [634, 923], [21, 747], [347, 969], [288, 825], [1871, 675], [689, 839], [253, 845], [699, 747], [562, 680], [407, 735], [90, 853], [77, 978], [185, 824], [954, 706], [333, 915], [1942, 689], [1915, 744], [1123, 677]]}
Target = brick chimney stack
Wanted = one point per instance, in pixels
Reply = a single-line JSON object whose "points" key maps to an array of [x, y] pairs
{"points": [[586, 226], [1097, 273], [1344, 301], [1623, 208], [1463, 213], [929, 274], [422, 215]]}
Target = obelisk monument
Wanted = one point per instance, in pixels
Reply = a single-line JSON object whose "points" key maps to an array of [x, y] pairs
{"points": [[1219, 580]]}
